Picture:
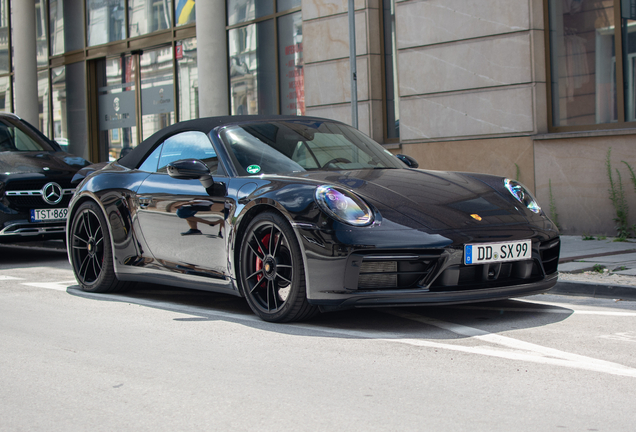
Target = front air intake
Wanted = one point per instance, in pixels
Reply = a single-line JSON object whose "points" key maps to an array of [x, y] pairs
{"points": [[378, 275]]}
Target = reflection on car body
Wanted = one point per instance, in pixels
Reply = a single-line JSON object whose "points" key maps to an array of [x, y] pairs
{"points": [[301, 215]]}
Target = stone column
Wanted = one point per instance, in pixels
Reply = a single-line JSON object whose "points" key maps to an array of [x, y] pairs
{"points": [[212, 58], [25, 61]]}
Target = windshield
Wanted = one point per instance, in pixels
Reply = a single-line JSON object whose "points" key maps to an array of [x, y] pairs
{"points": [[282, 147], [13, 139]]}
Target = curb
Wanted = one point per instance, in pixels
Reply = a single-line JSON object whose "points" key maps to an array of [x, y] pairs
{"points": [[592, 289]]}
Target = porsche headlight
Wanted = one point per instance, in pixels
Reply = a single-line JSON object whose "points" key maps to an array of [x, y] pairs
{"points": [[522, 195], [343, 206]]}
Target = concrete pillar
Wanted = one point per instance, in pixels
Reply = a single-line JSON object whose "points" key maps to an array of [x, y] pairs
{"points": [[212, 58], [25, 61]]}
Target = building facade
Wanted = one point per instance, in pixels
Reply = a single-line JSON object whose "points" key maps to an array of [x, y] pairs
{"points": [[538, 90]]}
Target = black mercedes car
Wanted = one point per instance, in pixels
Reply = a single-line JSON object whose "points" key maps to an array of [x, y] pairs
{"points": [[35, 183], [300, 215]]}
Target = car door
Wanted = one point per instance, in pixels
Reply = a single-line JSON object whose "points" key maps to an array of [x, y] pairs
{"points": [[181, 221]]}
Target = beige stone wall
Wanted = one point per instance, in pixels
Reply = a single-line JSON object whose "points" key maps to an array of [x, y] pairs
{"points": [[576, 167], [326, 56], [470, 69], [465, 69], [490, 156]]}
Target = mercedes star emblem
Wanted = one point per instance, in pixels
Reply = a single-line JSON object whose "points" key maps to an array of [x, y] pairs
{"points": [[52, 193]]}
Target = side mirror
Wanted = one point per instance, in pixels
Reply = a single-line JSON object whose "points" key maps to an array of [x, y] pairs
{"points": [[194, 169], [188, 169], [408, 161]]}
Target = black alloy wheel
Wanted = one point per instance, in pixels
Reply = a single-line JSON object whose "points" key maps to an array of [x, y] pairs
{"points": [[272, 272], [91, 252]]}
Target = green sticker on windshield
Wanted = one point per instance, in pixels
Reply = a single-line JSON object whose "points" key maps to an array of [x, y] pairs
{"points": [[253, 169]]}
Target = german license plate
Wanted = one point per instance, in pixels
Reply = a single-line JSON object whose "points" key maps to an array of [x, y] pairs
{"points": [[482, 253], [43, 215]]}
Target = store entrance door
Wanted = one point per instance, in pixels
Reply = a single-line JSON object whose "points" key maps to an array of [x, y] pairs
{"points": [[135, 99]]}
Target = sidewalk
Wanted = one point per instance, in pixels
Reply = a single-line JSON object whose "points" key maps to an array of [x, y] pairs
{"points": [[597, 268]]}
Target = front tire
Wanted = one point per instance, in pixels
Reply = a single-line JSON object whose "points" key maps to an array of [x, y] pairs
{"points": [[272, 272], [90, 251]]}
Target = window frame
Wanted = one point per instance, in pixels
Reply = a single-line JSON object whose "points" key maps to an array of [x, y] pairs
{"points": [[621, 122], [273, 16]]}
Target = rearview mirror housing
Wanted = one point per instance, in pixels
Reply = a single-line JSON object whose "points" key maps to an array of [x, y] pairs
{"points": [[188, 169], [408, 161]]}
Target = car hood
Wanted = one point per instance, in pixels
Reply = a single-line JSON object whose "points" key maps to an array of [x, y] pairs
{"points": [[42, 162], [439, 200]]}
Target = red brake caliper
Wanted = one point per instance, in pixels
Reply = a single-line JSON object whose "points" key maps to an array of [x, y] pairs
{"points": [[259, 262]]}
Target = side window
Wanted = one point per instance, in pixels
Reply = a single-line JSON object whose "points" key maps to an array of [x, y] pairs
{"points": [[24, 143], [13, 139], [150, 164], [188, 145], [6, 139]]}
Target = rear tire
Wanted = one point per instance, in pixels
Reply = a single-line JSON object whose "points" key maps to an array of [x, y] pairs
{"points": [[91, 252], [272, 272]]}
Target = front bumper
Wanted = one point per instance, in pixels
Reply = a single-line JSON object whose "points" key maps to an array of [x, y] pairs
{"points": [[358, 275], [24, 230], [426, 297]]}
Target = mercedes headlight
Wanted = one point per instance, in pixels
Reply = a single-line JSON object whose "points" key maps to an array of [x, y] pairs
{"points": [[522, 195], [344, 206]]}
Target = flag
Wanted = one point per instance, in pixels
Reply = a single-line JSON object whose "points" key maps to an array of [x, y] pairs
{"points": [[184, 10]]}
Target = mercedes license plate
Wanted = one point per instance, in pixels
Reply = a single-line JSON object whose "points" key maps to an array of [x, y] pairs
{"points": [[482, 253], [43, 215]]}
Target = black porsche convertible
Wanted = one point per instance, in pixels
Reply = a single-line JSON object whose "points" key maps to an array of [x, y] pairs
{"points": [[300, 215]]}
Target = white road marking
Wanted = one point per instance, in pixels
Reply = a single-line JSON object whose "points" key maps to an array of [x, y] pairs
{"points": [[579, 311], [623, 337], [606, 313], [513, 349], [515, 309], [562, 310], [58, 286], [10, 278], [525, 350]]}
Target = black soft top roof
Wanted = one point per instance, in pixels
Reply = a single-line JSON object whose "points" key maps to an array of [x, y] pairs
{"points": [[205, 125]]}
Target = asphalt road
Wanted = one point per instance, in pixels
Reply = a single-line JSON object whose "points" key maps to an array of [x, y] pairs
{"points": [[165, 359]]}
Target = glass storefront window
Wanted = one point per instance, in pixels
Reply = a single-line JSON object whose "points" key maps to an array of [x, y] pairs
{"points": [[117, 119], [69, 108], [43, 100], [5, 94], [157, 90], [290, 64], [266, 58], [188, 79], [4, 37], [253, 81], [147, 16], [185, 12], [58, 86], [239, 11], [40, 33], [69, 37], [105, 21], [583, 63], [283, 5]]}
